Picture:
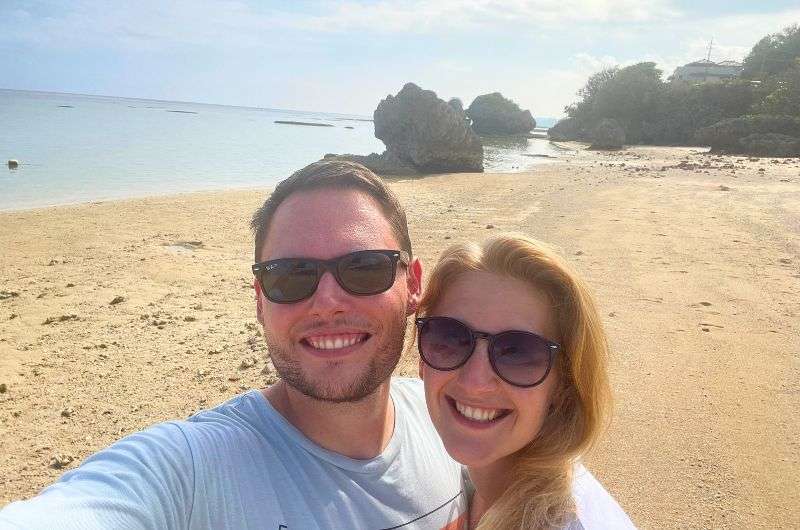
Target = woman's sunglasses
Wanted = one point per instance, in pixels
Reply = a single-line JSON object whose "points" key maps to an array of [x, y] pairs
{"points": [[519, 358], [367, 272]]}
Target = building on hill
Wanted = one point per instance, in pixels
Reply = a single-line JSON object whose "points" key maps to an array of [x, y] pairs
{"points": [[706, 71]]}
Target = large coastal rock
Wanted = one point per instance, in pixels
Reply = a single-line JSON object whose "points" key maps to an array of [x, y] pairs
{"points": [[493, 114], [426, 133], [385, 163], [608, 135], [727, 136]]}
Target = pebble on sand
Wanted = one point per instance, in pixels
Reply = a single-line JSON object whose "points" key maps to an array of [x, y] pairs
{"points": [[3, 388], [60, 460], [117, 300], [62, 318]]}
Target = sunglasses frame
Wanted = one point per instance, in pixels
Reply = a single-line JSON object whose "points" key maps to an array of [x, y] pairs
{"points": [[552, 348], [332, 266]]}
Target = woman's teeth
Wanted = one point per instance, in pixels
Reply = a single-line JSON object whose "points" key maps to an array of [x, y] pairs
{"points": [[476, 414], [334, 342]]}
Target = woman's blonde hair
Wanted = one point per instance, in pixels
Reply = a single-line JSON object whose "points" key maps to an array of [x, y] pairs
{"points": [[539, 491]]}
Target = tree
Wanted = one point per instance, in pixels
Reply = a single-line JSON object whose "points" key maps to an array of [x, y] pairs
{"points": [[774, 54]]}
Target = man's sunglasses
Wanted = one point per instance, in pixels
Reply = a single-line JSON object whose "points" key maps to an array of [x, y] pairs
{"points": [[366, 272], [519, 358]]}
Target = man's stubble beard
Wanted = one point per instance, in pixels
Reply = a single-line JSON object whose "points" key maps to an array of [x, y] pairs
{"points": [[378, 369]]}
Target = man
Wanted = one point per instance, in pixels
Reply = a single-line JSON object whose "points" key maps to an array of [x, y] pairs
{"points": [[336, 443]]}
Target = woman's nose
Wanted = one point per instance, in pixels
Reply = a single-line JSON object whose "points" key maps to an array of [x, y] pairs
{"points": [[477, 372]]}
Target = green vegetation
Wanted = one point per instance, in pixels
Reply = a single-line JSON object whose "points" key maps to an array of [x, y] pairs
{"points": [[764, 100]]}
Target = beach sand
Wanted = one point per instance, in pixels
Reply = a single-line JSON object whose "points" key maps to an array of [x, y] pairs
{"points": [[694, 260]]}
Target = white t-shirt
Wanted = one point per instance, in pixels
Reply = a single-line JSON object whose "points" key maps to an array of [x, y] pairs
{"points": [[242, 465], [597, 509]]}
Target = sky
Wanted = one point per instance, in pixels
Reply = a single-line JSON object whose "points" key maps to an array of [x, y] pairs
{"points": [[345, 56]]}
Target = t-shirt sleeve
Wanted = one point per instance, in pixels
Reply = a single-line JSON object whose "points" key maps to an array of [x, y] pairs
{"points": [[597, 509], [144, 481]]}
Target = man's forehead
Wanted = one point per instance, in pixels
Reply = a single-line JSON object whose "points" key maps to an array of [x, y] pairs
{"points": [[326, 223]]}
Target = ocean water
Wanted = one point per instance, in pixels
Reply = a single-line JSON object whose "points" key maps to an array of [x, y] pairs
{"points": [[75, 148]]}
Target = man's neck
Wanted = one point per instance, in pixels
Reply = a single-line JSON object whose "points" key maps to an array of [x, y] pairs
{"points": [[359, 430]]}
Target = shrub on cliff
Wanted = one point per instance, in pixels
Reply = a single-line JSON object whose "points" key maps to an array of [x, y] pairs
{"points": [[608, 135], [494, 114], [725, 136], [456, 104], [770, 144]]}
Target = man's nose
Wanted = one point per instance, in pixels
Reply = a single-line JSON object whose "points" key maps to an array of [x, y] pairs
{"points": [[477, 373], [329, 297]]}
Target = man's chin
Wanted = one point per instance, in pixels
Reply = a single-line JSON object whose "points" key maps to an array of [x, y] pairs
{"points": [[351, 392]]}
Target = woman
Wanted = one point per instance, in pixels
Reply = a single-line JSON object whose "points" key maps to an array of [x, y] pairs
{"points": [[514, 364]]}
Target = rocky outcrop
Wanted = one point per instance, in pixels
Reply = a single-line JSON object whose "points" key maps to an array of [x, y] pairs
{"points": [[423, 134], [492, 114], [385, 163], [727, 136], [426, 133], [770, 144], [608, 135]]}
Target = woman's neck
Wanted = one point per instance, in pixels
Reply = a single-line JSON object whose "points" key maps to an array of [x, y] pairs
{"points": [[490, 482]]}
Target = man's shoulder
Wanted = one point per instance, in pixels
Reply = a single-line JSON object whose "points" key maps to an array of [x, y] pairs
{"points": [[409, 392], [596, 507], [408, 384]]}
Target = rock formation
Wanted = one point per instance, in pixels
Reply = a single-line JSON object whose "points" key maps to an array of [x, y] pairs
{"points": [[423, 134], [492, 114], [608, 135]]}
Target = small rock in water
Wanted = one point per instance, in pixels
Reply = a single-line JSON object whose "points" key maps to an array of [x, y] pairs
{"points": [[13, 164], [117, 300]]}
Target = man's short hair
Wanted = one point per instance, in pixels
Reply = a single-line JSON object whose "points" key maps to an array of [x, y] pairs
{"points": [[334, 175]]}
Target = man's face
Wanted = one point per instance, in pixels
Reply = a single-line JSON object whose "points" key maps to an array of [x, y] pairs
{"points": [[335, 346]]}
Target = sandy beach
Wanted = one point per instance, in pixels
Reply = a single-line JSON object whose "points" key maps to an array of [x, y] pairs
{"points": [[117, 315]]}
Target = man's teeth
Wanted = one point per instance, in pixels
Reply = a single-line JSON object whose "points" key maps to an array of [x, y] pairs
{"points": [[476, 414], [335, 342]]}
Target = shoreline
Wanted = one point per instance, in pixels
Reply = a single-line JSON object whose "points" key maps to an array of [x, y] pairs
{"points": [[694, 265]]}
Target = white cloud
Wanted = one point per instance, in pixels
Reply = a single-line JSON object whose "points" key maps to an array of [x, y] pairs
{"points": [[448, 15]]}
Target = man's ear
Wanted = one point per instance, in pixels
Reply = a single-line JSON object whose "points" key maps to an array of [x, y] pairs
{"points": [[414, 284], [259, 300]]}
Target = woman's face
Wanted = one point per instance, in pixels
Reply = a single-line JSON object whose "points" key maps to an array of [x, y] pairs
{"points": [[490, 303]]}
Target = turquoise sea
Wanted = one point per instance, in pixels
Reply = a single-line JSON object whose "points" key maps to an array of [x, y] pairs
{"points": [[76, 148]]}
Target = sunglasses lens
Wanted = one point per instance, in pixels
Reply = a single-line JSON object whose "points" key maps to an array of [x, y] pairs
{"points": [[444, 343], [521, 358], [289, 280], [366, 272]]}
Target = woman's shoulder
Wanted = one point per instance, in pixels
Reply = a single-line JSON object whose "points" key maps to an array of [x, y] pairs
{"points": [[597, 509]]}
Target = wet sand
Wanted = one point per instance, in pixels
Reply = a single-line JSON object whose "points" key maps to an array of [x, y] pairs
{"points": [[117, 315]]}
